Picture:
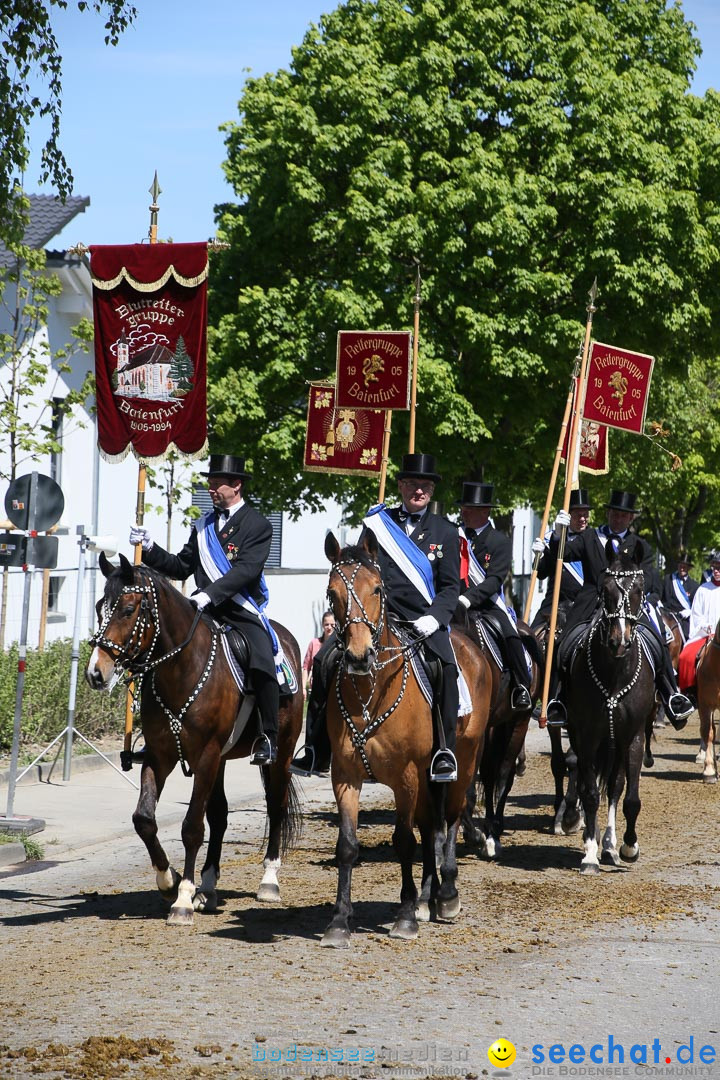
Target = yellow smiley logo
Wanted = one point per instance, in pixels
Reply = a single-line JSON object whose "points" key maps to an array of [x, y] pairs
{"points": [[501, 1054]]}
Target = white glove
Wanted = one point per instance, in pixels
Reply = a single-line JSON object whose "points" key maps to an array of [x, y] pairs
{"points": [[538, 546], [426, 625], [200, 600], [464, 600], [563, 518], [140, 535]]}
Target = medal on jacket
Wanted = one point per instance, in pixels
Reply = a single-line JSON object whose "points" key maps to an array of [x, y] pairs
{"points": [[436, 552]]}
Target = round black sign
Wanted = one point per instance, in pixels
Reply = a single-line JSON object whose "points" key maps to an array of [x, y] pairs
{"points": [[49, 502]]}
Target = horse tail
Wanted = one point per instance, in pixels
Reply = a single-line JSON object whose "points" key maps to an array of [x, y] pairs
{"points": [[291, 816]]}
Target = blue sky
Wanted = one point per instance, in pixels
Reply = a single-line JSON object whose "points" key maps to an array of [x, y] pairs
{"points": [[156, 101]]}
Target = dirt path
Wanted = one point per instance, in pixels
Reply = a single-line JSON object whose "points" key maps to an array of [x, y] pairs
{"points": [[95, 985]]}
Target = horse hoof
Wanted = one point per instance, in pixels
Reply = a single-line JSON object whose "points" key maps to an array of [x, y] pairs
{"points": [[335, 937], [449, 909], [407, 929], [630, 854], [610, 857], [422, 911], [492, 848], [648, 761], [700, 757], [589, 869], [180, 917], [520, 769], [710, 778], [572, 823], [269, 893], [205, 902], [473, 837]]}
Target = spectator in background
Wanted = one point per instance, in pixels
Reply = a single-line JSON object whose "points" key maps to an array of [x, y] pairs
{"points": [[328, 629]]}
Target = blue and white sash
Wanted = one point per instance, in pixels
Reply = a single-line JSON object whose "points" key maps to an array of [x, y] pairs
{"points": [[404, 552], [477, 575], [216, 564], [679, 590]]}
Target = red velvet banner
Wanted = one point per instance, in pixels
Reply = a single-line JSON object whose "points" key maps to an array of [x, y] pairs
{"points": [[594, 452], [618, 387], [373, 369], [150, 308], [341, 440]]}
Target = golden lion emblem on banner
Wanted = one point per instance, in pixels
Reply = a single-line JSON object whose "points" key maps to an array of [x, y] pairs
{"points": [[371, 365], [620, 387]]}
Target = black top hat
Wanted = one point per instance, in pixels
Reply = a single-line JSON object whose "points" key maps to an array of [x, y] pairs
{"points": [[579, 499], [227, 465], [622, 500], [683, 558], [476, 494], [418, 467]]}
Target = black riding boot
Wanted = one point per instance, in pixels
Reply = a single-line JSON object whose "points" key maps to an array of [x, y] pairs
{"points": [[443, 767], [520, 700], [267, 700], [314, 755], [678, 706]]}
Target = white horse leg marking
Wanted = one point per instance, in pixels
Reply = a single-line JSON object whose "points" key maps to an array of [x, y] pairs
{"points": [[700, 756], [166, 879], [630, 852], [557, 826], [205, 898], [610, 837], [181, 913], [269, 891]]}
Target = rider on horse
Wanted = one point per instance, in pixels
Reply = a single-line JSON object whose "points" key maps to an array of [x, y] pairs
{"points": [[226, 552], [590, 548], [678, 591], [704, 617], [419, 556], [572, 572], [489, 554]]}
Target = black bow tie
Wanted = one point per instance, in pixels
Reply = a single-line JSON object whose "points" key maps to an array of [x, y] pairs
{"points": [[470, 534], [413, 518]]}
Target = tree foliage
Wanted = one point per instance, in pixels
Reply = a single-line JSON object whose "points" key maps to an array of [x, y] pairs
{"points": [[515, 150], [30, 88]]}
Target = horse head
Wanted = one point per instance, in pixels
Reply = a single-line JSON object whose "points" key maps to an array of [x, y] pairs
{"points": [[129, 624], [621, 596], [357, 599]]}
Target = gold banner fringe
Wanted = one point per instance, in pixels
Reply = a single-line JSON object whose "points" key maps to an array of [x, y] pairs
{"points": [[150, 286], [115, 459]]}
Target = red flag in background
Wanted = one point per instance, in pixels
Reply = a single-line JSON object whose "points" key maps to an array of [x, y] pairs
{"points": [[373, 369], [341, 440], [618, 387], [150, 309]]}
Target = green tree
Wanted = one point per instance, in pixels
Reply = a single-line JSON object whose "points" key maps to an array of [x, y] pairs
{"points": [[515, 149], [181, 369], [30, 87]]}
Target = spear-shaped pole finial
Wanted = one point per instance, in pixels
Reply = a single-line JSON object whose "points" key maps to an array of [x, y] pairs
{"points": [[155, 190]]}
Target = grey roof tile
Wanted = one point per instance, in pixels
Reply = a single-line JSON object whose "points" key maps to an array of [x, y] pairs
{"points": [[48, 216]]}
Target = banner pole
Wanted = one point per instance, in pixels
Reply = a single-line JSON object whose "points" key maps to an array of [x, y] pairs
{"points": [[571, 469], [385, 454], [155, 190], [413, 389], [551, 490]]}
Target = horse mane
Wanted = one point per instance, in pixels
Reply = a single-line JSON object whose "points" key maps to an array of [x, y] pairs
{"points": [[119, 579], [356, 554]]}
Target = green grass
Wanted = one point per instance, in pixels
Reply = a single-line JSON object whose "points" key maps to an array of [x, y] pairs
{"points": [[33, 849]]}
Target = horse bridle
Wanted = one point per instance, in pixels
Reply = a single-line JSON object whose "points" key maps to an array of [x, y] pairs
{"points": [[357, 737], [623, 609], [622, 612]]}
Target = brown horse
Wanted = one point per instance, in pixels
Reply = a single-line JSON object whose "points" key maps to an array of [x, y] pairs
{"points": [[503, 744], [193, 712], [708, 698], [675, 647], [381, 728]]}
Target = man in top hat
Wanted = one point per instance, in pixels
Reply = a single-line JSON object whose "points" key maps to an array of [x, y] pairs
{"points": [[490, 558], [428, 604], [678, 590], [226, 552], [572, 579], [590, 549]]}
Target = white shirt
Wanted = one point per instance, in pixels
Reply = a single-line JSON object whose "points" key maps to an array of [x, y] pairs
{"points": [[705, 611]]}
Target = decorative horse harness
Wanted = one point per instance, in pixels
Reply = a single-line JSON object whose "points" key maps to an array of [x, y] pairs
{"points": [[357, 737], [128, 655], [623, 610]]}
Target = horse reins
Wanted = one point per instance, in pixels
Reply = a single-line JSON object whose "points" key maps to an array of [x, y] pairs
{"points": [[148, 615], [357, 737], [623, 611]]}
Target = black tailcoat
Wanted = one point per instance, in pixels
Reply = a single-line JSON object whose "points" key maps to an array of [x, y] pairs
{"points": [[245, 540]]}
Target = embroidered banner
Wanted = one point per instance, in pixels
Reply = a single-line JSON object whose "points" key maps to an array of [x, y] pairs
{"points": [[594, 451], [618, 387], [341, 440], [373, 369], [150, 310]]}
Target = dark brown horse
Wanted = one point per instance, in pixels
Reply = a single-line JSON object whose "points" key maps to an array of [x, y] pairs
{"points": [[611, 696], [381, 728], [503, 744], [708, 698], [193, 712]]}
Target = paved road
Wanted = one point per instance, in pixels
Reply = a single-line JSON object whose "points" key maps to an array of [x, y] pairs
{"points": [[94, 980]]}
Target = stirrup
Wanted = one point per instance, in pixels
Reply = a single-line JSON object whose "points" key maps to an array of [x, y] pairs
{"points": [[559, 717], [678, 716], [302, 770], [448, 775], [523, 692], [263, 752]]}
